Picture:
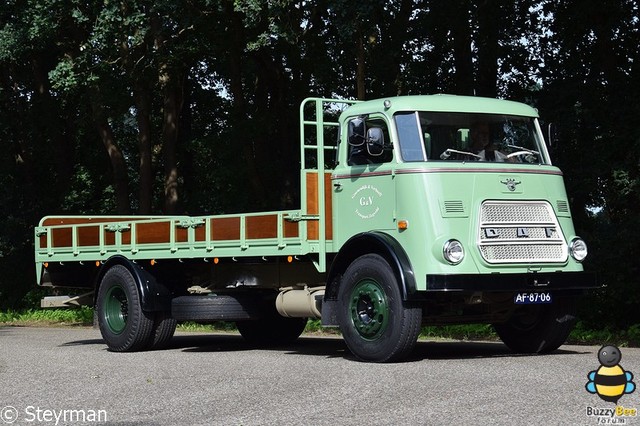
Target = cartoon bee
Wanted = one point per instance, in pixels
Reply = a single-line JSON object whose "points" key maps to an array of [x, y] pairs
{"points": [[610, 381]]}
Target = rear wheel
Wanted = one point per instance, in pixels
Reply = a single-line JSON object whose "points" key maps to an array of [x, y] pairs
{"points": [[164, 326], [539, 328], [375, 322], [125, 327]]}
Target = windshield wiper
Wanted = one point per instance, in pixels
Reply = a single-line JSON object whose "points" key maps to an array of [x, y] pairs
{"points": [[521, 148], [447, 153]]}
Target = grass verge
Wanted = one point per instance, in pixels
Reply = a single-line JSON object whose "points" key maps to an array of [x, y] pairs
{"points": [[48, 317]]}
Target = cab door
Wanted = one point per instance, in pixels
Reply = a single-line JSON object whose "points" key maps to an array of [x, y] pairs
{"points": [[363, 182]]}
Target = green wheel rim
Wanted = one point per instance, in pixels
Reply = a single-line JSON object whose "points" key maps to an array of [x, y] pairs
{"points": [[369, 309], [116, 309]]}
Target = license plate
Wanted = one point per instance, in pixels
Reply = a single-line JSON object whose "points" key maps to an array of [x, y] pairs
{"points": [[531, 298]]}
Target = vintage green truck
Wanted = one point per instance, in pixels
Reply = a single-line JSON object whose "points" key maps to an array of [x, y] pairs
{"points": [[415, 210]]}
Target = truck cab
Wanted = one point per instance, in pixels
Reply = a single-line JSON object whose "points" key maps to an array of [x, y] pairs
{"points": [[461, 200]]}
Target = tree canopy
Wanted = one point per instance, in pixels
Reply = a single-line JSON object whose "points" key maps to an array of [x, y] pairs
{"points": [[146, 107]]}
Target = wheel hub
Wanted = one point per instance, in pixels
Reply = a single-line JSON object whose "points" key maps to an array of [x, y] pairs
{"points": [[116, 308], [369, 309]]}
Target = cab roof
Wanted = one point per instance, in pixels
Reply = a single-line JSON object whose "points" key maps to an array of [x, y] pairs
{"points": [[441, 103]]}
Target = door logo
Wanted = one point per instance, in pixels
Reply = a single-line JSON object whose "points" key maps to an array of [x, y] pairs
{"points": [[367, 199]]}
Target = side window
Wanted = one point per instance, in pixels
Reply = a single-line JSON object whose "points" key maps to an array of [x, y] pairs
{"points": [[372, 151], [411, 146]]}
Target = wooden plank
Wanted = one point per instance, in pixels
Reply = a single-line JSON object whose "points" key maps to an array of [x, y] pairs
{"points": [[182, 235], [57, 221], [313, 227], [262, 226], [291, 229], [61, 237], [152, 233], [88, 236], [225, 228]]}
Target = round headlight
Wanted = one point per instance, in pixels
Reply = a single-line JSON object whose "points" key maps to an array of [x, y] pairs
{"points": [[578, 249], [453, 251]]}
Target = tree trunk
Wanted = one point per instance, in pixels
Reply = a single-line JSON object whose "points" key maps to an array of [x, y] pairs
{"points": [[172, 93], [461, 31], [118, 166], [360, 66], [239, 109], [143, 117], [52, 126], [489, 24]]}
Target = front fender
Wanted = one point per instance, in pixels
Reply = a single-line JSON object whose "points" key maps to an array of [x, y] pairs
{"points": [[372, 242]]}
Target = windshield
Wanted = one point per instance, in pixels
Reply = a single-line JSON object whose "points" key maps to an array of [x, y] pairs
{"points": [[446, 136]]}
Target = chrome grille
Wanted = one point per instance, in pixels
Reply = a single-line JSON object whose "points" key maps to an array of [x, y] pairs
{"points": [[520, 232], [514, 213]]}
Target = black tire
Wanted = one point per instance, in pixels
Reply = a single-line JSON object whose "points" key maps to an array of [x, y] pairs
{"points": [[164, 326], [273, 329], [215, 308], [125, 327], [375, 323], [539, 328]]}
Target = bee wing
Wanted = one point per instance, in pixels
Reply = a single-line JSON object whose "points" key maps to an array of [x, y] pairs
{"points": [[630, 386], [592, 375], [591, 387]]}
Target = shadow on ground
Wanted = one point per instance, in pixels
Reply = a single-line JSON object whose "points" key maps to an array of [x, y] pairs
{"points": [[332, 347]]}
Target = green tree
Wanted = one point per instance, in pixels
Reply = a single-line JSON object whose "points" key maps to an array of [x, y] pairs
{"points": [[590, 86]]}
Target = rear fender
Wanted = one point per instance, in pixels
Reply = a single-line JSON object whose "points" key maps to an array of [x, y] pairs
{"points": [[154, 296]]}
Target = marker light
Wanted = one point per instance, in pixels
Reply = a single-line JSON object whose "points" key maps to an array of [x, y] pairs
{"points": [[402, 225]]}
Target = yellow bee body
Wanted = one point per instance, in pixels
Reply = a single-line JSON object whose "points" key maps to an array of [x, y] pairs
{"points": [[610, 382]]}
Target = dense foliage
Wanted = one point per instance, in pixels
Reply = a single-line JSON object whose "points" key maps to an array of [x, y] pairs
{"points": [[138, 106]]}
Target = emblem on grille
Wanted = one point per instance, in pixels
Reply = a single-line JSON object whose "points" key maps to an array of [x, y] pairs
{"points": [[511, 184]]}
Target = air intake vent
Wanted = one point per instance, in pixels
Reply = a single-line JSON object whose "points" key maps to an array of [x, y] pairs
{"points": [[453, 208], [562, 206]]}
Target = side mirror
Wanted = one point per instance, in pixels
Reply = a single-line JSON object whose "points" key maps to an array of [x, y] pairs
{"points": [[375, 141], [356, 132]]}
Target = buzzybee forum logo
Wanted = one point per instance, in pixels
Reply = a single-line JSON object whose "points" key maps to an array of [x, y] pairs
{"points": [[610, 382]]}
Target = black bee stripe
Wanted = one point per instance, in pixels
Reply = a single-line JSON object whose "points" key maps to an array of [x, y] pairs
{"points": [[613, 398], [616, 380]]}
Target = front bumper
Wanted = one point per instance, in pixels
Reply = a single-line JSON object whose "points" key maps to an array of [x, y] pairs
{"points": [[534, 281]]}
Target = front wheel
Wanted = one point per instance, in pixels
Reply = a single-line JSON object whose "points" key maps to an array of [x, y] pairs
{"points": [[539, 328], [375, 323], [125, 327]]}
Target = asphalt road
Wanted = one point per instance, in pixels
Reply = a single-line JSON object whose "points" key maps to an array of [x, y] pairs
{"points": [[54, 376]]}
